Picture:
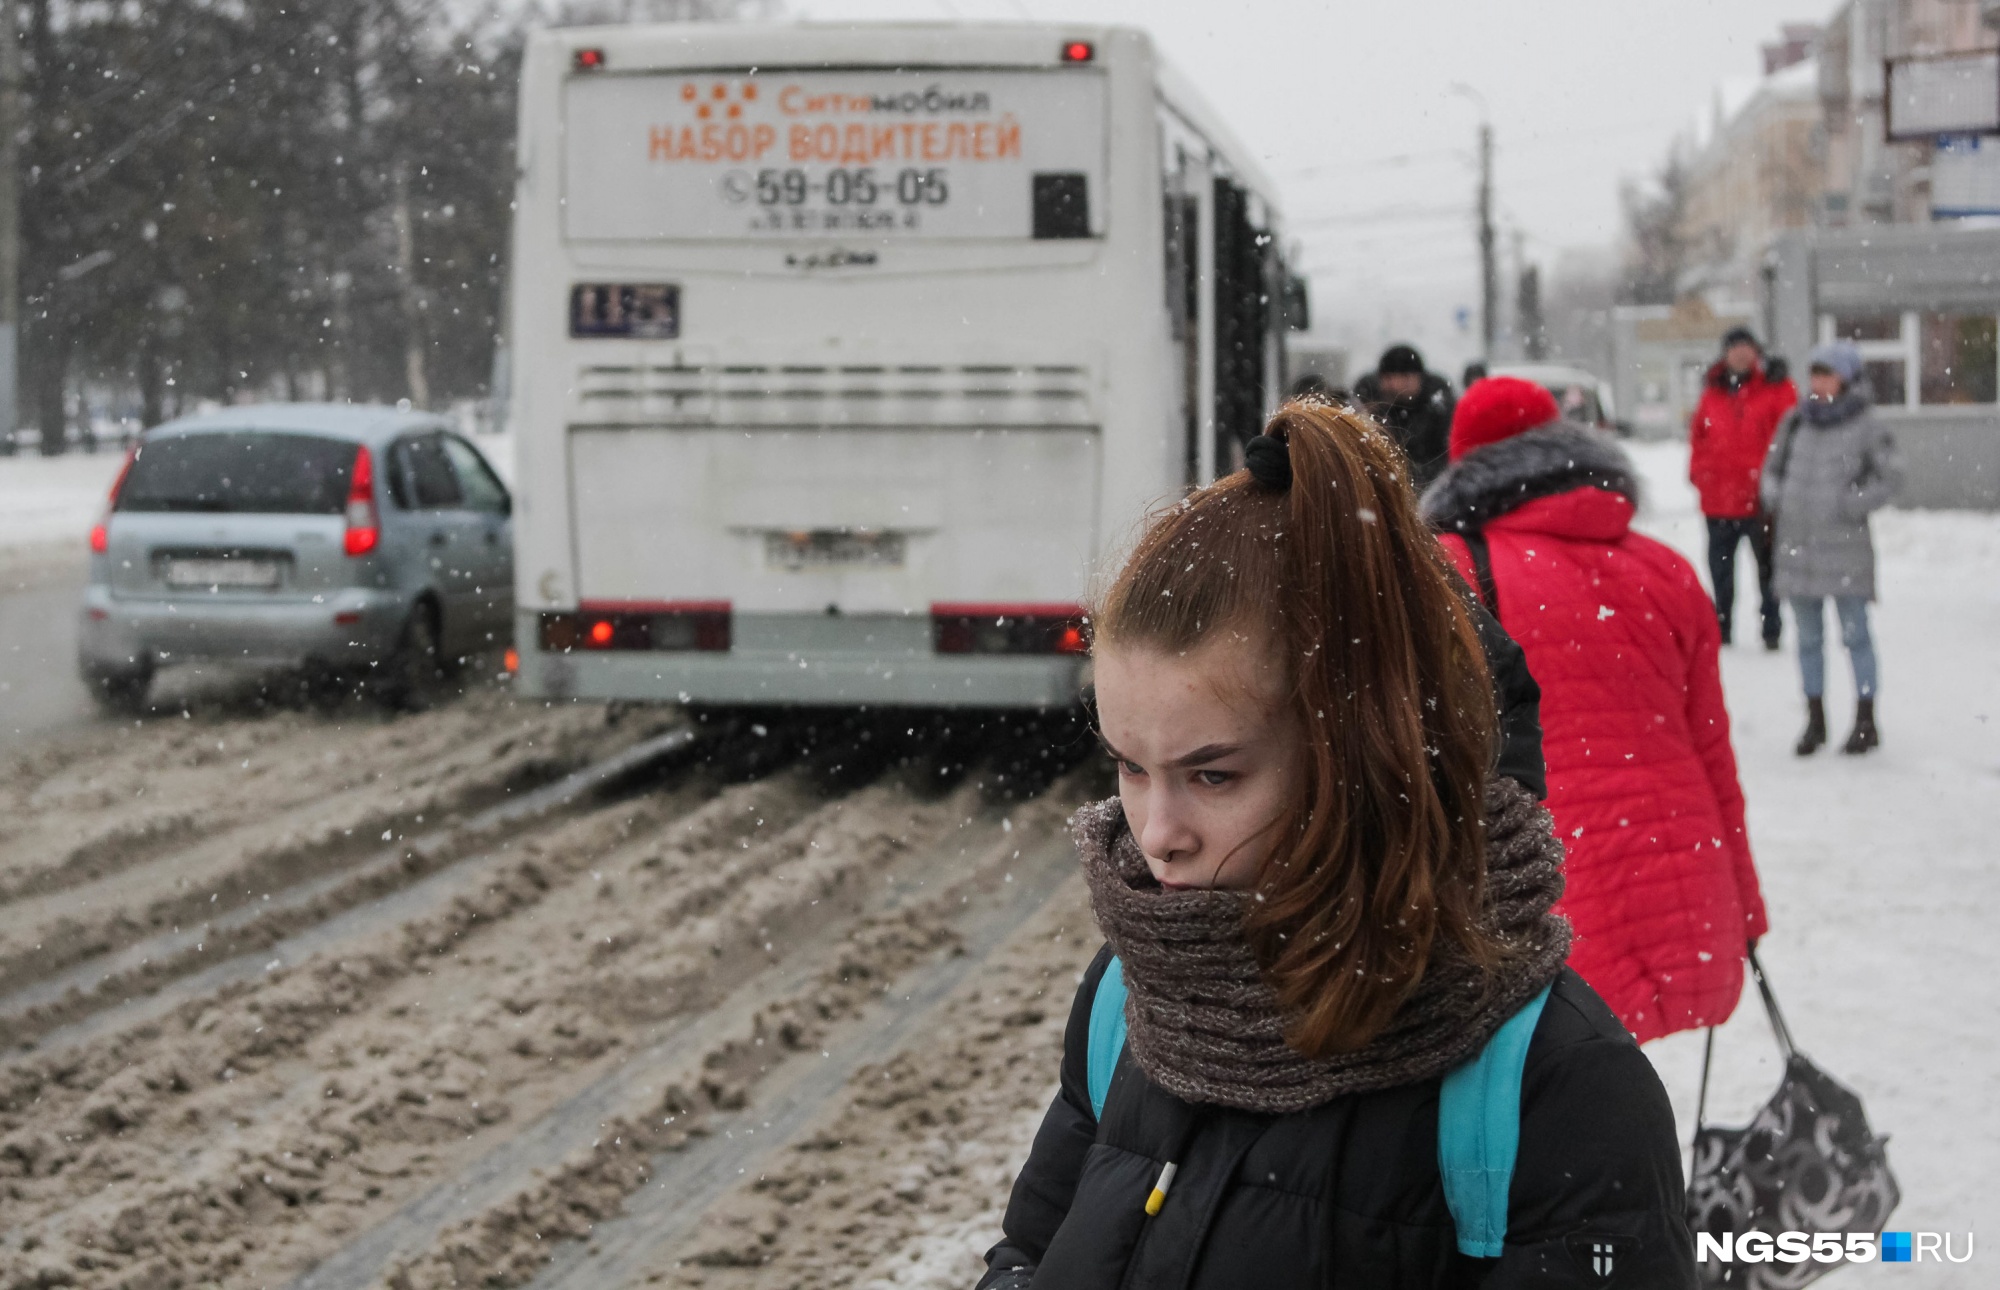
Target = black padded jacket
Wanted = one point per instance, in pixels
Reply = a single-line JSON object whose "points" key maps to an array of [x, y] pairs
{"points": [[1420, 423], [1347, 1194]]}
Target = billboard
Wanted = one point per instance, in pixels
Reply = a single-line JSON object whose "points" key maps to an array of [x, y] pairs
{"points": [[1933, 94], [777, 155]]}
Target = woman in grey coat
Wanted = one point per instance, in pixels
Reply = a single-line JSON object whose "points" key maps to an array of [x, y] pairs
{"points": [[1831, 464]]}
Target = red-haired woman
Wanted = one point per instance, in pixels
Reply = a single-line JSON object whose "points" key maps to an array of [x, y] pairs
{"points": [[1323, 909], [1623, 640]]}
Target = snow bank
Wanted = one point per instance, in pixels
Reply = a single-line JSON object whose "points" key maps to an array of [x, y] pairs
{"points": [[47, 500], [1879, 871]]}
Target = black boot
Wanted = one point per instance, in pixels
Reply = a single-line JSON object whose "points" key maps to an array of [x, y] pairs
{"points": [[1815, 736], [1865, 735]]}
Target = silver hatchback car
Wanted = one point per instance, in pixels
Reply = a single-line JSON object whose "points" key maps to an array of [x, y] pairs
{"points": [[360, 542]]}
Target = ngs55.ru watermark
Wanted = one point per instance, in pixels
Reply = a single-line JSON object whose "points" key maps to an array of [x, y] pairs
{"points": [[1831, 1247]]}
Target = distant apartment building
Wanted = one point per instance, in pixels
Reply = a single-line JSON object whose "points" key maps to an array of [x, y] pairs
{"points": [[1807, 215], [1759, 173], [1869, 178]]}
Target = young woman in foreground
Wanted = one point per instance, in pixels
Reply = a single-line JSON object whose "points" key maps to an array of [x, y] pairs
{"points": [[1321, 902]]}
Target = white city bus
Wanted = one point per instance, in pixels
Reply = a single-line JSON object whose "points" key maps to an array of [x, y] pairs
{"points": [[842, 354]]}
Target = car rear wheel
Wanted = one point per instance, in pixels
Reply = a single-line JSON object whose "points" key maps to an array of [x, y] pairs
{"points": [[415, 674], [121, 694]]}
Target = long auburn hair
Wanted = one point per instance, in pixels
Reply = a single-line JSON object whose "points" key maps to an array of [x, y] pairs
{"points": [[1378, 863]]}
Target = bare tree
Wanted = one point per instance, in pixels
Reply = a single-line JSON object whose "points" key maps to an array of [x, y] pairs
{"points": [[1656, 250]]}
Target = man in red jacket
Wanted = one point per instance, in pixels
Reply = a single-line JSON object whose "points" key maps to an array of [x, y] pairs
{"points": [[1742, 401], [1617, 630]]}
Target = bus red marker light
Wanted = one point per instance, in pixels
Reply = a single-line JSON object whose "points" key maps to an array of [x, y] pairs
{"points": [[589, 60], [364, 524], [601, 632], [1079, 51]]}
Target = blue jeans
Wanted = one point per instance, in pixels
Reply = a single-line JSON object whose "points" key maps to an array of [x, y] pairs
{"points": [[1810, 614]]}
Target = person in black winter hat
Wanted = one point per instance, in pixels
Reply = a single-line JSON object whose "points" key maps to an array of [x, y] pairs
{"points": [[1414, 405]]}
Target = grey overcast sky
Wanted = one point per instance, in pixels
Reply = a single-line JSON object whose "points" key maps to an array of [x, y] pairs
{"points": [[1352, 110]]}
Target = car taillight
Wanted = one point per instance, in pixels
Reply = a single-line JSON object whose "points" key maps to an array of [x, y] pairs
{"points": [[100, 532], [628, 625], [1009, 629], [364, 523]]}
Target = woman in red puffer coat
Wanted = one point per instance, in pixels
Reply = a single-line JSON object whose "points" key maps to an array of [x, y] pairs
{"points": [[1661, 889]]}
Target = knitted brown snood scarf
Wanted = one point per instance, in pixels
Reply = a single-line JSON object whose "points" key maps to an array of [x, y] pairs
{"points": [[1204, 1026]]}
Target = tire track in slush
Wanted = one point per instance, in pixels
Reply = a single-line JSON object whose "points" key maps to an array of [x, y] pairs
{"points": [[76, 1106], [685, 1184], [137, 874], [676, 1057], [174, 955]]}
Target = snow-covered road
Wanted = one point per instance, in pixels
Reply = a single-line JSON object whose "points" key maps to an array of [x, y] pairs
{"points": [[1882, 872]]}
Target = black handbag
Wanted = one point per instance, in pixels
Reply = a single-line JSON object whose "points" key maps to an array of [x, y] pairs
{"points": [[1806, 1162]]}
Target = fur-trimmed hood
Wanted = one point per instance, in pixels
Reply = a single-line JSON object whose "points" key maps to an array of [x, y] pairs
{"points": [[1500, 477]]}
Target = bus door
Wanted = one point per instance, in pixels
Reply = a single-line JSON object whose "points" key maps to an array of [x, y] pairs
{"points": [[1243, 313], [1220, 262], [1181, 209]]}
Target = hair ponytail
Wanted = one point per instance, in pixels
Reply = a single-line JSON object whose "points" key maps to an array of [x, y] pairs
{"points": [[1379, 864]]}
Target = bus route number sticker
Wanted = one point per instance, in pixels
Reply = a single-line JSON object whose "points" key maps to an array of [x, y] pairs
{"points": [[1011, 154]]}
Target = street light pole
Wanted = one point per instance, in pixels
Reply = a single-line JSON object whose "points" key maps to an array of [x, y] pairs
{"points": [[1489, 271], [1489, 274], [10, 219]]}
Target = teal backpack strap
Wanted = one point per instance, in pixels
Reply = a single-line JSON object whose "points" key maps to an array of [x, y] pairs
{"points": [[1479, 1132], [1107, 1033]]}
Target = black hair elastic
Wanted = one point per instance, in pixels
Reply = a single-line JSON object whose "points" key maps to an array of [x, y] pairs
{"points": [[1269, 462]]}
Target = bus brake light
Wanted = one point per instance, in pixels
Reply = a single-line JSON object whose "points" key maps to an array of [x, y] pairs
{"points": [[701, 625], [1009, 629]]}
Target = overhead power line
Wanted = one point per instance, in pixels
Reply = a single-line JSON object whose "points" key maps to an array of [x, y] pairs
{"points": [[1378, 215]]}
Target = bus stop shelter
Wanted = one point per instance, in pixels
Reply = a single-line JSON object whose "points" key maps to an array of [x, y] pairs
{"points": [[1922, 302]]}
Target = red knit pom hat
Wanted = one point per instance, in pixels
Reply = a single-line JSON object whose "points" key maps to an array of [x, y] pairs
{"points": [[1499, 407]]}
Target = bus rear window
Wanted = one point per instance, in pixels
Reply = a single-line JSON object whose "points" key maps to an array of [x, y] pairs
{"points": [[244, 471], [890, 155]]}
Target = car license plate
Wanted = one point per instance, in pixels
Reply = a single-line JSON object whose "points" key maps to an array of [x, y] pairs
{"points": [[222, 573], [834, 549]]}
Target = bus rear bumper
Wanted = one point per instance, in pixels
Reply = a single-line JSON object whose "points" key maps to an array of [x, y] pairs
{"points": [[807, 678]]}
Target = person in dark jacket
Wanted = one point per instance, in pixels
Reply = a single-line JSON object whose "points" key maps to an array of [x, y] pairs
{"points": [[1323, 900], [1742, 401], [1414, 404], [1832, 465], [1311, 385]]}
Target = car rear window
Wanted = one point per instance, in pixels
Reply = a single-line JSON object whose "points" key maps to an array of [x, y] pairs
{"points": [[254, 471]]}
